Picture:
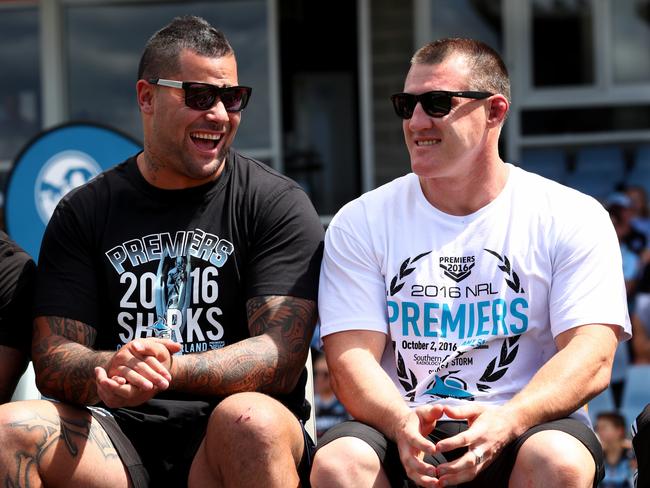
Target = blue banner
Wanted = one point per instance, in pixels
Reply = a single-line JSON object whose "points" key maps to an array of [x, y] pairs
{"points": [[52, 164]]}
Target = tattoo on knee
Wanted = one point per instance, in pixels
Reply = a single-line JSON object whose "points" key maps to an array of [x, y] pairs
{"points": [[47, 432]]}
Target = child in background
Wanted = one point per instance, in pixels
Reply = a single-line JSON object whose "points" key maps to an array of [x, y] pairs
{"points": [[619, 458], [329, 411]]}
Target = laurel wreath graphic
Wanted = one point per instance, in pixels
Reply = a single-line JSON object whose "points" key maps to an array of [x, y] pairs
{"points": [[396, 283], [499, 365], [513, 283], [406, 377]]}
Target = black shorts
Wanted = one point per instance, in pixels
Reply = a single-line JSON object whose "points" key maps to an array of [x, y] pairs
{"points": [[496, 475], [167, 456]]}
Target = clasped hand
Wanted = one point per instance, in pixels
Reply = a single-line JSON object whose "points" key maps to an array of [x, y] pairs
{"points": [[488, 432], [137, 372]]}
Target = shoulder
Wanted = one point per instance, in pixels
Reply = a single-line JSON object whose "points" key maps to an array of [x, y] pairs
{"points": [[373, 208], [9, 249], [99, 187], [14, 264], [265, 196], [253, 175], [550, 198]]}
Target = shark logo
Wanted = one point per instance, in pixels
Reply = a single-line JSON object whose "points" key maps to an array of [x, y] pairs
{"points": [[457, 267], [448, 386]]}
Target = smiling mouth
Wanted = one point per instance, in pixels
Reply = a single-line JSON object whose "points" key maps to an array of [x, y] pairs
{"points": [[428, 142], [206, 140]]}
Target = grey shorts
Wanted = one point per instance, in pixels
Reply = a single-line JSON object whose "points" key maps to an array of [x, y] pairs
{"points": [[496, 475]]}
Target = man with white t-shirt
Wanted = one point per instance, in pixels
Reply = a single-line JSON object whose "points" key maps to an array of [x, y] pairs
{"points": [[468, 309]]}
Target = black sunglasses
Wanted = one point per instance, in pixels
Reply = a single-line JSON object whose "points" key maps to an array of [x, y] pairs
{"points": [[203, 96], [435, 103]]}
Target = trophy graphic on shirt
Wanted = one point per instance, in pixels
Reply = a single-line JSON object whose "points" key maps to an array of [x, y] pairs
{"points": [[172, 296]]}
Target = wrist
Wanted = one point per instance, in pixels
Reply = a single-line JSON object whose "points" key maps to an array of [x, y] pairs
{"points": [[400, 420], [516, 418]]}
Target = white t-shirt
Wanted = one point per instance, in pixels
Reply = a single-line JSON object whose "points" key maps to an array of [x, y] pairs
{"points": [[471, 304]]}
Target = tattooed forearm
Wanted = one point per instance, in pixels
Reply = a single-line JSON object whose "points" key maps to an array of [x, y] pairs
{"points": [[73, 434], [63, 360], [270, 361]]}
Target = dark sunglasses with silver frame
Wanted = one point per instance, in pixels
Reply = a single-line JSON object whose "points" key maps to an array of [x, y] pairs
{"points": [[435, 103], [203, 96]]}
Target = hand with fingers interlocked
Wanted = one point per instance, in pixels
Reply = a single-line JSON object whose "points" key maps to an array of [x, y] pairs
{"points": [[490, 430], [137, 372], [413, 443]]}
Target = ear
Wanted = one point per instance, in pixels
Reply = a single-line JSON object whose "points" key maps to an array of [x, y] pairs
{"points": [[497, 110], [145, 94]]}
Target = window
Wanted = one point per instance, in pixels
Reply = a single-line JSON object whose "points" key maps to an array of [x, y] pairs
{"points": [[630, 21], [104, 44], [20, 102], [562, 43], [478, 19]]}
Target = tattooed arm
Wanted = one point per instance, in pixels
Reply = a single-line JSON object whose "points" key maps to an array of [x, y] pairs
{"points": [[64, 361], [67, 367], [270, 361]]}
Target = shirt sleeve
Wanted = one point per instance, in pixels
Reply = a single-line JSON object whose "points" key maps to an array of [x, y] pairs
{"points": [[352, 293], [588, 285], [67, 282], [287, 248]]}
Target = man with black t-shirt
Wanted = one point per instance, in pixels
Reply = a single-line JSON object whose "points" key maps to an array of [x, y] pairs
{"points": [[16, 288], [175, 302]]}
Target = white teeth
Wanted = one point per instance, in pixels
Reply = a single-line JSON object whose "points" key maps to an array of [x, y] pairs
{"points": [[427, 143], [205, 135]]}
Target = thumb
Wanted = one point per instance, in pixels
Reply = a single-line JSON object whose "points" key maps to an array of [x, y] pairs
{"points": [[430, 413], [172, 346]]}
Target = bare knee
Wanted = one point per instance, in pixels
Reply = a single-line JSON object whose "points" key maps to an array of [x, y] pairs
{"points": [[245, 418], [249, 429], [346, 461], [555, 457]]}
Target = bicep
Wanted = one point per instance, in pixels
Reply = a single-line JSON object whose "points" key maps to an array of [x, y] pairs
{"points": [[51, 331], [599, 338], [354, 344], [289, 319]]}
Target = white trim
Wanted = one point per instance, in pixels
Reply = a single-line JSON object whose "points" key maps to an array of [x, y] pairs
{"points": [[366, 120], [54, 93], [275, 94], [169, 83]]}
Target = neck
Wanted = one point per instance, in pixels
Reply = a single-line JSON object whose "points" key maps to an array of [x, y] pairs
{"points": [[160, 176], [466, 194]]}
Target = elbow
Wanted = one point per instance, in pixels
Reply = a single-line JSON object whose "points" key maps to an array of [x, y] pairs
{"points": [[602, 374], [287, 379], [44, 383]]}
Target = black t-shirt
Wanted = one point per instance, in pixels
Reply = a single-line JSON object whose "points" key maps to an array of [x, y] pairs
{"points": [[133, 260], [16, 293]]}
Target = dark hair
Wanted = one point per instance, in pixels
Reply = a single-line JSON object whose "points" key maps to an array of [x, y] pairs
{"points": [[614, 417], [161, 53], [489, 72]]}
